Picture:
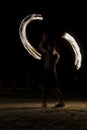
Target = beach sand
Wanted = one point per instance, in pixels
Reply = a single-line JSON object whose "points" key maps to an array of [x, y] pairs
{"points": [[28, 114]]}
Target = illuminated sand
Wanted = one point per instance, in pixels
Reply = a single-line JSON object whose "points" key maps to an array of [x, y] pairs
{"points": [[27, 115]]}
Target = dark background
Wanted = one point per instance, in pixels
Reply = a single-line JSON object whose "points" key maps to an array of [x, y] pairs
{"points": [[19, 70]]}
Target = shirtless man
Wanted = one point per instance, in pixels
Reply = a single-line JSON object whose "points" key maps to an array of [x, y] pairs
{"points": [[50, 58]]}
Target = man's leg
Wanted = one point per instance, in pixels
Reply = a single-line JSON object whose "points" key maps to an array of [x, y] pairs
{"points": [[44, 97], [60, 98]]}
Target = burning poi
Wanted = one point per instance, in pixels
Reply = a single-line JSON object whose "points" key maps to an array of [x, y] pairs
{"points": [[32, 51]]}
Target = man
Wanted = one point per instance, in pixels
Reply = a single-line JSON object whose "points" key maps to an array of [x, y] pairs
{"points": [[50, 58]]}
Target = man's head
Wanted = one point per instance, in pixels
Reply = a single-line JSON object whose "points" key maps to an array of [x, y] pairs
{"points": [[44, 36]]}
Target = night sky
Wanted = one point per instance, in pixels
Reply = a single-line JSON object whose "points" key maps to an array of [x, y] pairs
{"points": [[20, 70]]}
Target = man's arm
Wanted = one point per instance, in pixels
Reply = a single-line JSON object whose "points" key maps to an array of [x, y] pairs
{"points": [[55, 52], [42, 42], [41, 47]]}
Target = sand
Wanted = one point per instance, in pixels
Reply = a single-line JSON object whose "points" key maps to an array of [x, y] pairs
{"points": [[29, 115]]}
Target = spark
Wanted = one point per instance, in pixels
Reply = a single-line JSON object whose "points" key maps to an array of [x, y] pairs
{"points": [[73, 43], [22, 32]]}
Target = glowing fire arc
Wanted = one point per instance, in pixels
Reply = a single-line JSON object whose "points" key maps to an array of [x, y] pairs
{"points": [[73, 43], [22, 32]]}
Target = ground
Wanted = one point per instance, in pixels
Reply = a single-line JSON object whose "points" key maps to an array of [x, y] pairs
{"points": [[27, 114]]}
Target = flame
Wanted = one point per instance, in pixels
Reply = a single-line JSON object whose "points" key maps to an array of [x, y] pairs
{"points": [[23, 36], [73, 43]]}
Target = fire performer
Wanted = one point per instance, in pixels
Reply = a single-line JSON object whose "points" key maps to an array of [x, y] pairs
{"points": [[50, 58]]}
